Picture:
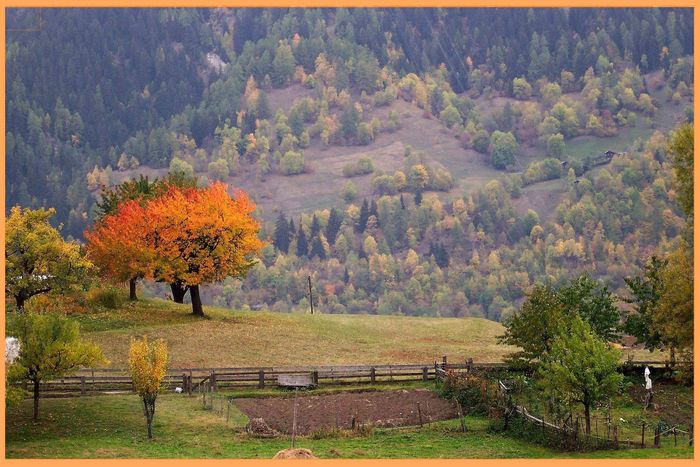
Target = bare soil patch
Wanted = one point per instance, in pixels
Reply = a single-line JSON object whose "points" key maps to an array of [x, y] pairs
{"points": [[379, 408]]}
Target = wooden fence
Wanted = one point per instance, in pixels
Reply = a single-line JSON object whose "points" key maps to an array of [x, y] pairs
{"points": [[110, 381], [611, 436]]}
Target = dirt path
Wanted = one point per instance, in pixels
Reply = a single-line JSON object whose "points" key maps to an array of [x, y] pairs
{"points": [[380, 408]]}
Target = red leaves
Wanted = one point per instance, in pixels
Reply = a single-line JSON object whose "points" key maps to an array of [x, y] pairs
{"points": [[194, 235]]}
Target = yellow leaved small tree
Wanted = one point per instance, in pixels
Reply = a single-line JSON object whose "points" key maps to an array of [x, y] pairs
{"points": [[148, 364]]}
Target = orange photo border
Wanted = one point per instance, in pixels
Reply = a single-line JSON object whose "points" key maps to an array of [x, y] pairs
{"points": [[348, 3]]}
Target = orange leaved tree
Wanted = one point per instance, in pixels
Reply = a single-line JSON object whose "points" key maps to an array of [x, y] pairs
{"points": [[119, 246], [201, 235]]}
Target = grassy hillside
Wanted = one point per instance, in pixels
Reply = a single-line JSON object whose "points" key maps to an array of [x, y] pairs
{"points": [[238, 338], [248, 338]]}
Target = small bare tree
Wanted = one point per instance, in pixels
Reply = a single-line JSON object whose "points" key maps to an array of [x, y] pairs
{"points": [[148, 364]]}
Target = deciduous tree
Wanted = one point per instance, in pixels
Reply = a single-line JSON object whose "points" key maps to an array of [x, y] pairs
{"points": [[580, 368], [202, 235], [50, 347], [148, 364], [37, 259]]}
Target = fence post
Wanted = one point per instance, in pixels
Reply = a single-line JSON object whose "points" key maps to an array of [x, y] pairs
{"points": [[461, 416], [82, 385], [213, 381], [420, 415], [372, 375], [261, 379], [675, 437], [184, 382], [315, 377], [470, 364], [542, 424], [425, 373], [657, 436], [444, 362], [616, 442]]}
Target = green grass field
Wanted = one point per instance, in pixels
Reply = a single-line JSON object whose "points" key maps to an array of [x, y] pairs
{"points": [[229, 338], [114, 427], [237, 338]]}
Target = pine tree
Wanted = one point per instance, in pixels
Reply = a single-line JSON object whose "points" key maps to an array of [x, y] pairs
{"points": [[302, 245], [364, 215], [315, 227], [346, 276], [361, 252], [281, 240], [333, 227], [418, 198], [317, 248]]}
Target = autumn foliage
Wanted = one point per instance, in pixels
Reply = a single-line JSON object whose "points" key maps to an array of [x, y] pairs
{"points": [[187, 235], [148, 365], [118, 245]]}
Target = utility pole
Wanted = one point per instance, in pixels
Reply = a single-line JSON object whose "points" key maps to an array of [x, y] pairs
{"points": [[311, 297]]}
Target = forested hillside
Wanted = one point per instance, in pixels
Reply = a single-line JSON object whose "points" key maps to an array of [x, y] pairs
{"points": [[411, 161]]}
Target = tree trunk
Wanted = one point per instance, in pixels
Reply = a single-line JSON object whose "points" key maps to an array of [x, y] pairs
{"points": [[20, 302], [36, 399], [132, 289], [673, 357], [196, 301], [179, 291], [588, 419], [149, 418]]}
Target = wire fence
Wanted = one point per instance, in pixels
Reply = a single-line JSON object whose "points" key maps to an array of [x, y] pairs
{"points": [[602, 432]]}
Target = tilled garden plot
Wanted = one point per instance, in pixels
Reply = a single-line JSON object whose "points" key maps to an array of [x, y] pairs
{"points": [[379, 408]]}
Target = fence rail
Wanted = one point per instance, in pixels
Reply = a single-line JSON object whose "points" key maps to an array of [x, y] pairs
{"points": [[93, 381]]}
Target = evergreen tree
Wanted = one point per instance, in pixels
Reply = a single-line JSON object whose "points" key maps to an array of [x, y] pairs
{"points": [[282, 65], [349, 121], [364, 215], [418, 198], [302, 245], [315, 227], [333, 227], [281, 240], [317, 249]]}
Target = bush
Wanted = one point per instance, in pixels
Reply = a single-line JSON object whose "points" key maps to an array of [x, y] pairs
{"points": [[384, 185], [292, 163], [106, 297], [481, 141], [363, 166], [349, 192], [474, 393]]}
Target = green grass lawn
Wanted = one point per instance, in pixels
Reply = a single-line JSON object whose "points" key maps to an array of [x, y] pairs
{"points": [[114, 427], [591, 146]]}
